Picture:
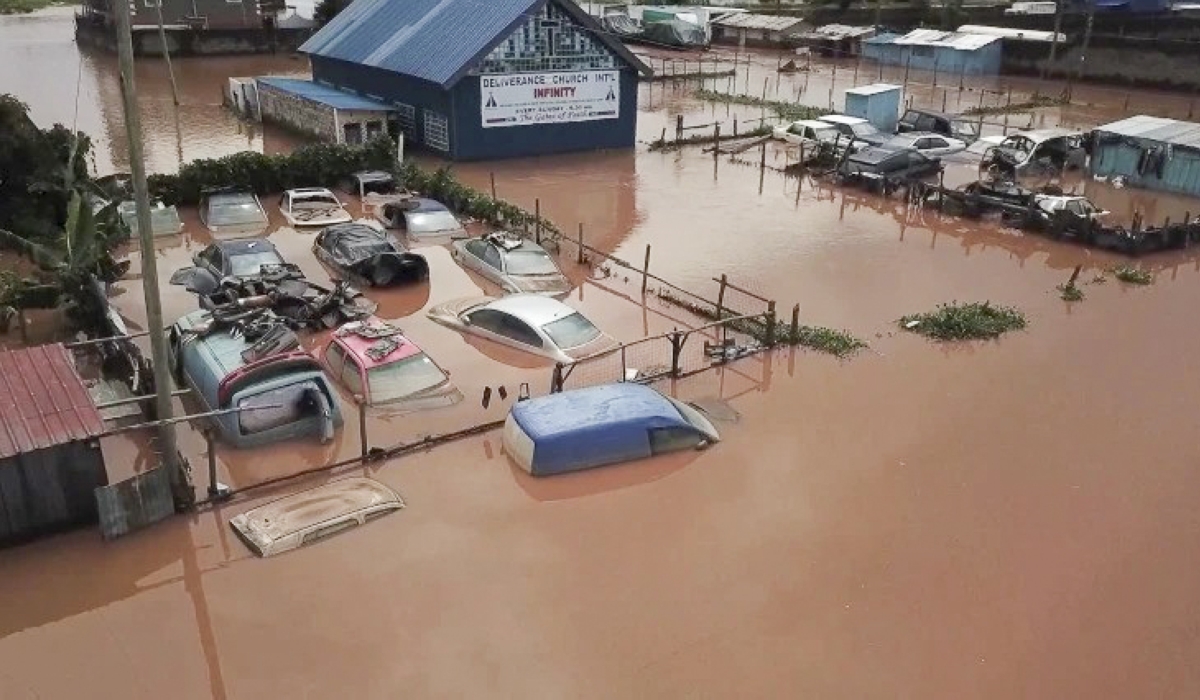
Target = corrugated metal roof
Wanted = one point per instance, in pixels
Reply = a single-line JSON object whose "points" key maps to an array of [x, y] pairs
{"points": [[1011, 33], [325, 94], [952, 40], [838, 31], [747, 20], [1172, 131], [43, 402], [435, 40]]}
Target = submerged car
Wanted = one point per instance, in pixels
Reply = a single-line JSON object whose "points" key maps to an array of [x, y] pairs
{"points": [[880, 166], [537, 324], [855, 128], [513, 262], [374, 361], [281, 396], [238, 257], [421, 219], [809, 132], [938, 123], [367, 182], [233, 212], [1041, 152], [306, 517], [164, 220], [367, 255], [313, 206], [1067, 215], [585, 428], [927, 143]]}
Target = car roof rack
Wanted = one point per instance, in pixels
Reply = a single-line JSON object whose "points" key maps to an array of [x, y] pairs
{"points": [[506, 240], [369, 331]]}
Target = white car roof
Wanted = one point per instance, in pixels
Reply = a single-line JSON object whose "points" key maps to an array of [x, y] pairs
{"points": [[842, 119], [309, 191], [812, 124], [534, 309]]}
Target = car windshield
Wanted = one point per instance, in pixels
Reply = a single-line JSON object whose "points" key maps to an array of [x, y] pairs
{"points": [[234, 210], [315, 201], [251, 263], [864, 130], [696, 418], [404, 378], [431, 222], [571, 331], [965, 130], [379, 187], [530, 262], [1021, 144]]}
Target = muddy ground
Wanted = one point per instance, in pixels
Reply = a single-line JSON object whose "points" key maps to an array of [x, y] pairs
{"points": [[994, 520]]}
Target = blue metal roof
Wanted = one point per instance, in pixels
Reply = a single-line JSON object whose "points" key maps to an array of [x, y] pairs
{"points": [[590, 427], [324, 94], [433, 40]]}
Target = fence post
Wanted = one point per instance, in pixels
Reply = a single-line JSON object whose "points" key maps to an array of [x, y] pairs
{"points": [[770, 324], [943, 100], [492, 175], [907, 65], [795, 323], [721, 297], [537, 224], [735, 127], [580, 258], [676, 351], [645, 271], [362, 425], [210, 443], [624, 366], [556, 378], [762, 161], [716, 141], [678, 127]]}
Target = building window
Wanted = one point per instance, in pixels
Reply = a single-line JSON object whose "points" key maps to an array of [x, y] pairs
{"points": [[406, 117], [374, 128], [352, 133], [437, 131], [549, 41]]}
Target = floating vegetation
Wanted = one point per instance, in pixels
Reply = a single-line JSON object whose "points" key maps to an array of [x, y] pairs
{"points": [[1069, 292], [1032, 103], [971, 321], [666, 145], [1132, 275], [789, 111], [829, 340]]}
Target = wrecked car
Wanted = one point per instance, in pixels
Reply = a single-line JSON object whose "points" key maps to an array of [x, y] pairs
{"points": [[927, 143], [884, 168], [858, 129], [378, 365], [938, 123], [1067, 215], [513, 262], [533, 323], [282, 390], [584, 428], [809, 132], [306, 517], [232, 261], [235, 212], [421, 218], [164, 220], [1043, 152], [313, 206], [369, 256]]}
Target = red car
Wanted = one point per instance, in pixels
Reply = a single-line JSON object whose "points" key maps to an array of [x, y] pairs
{"points": [[378, 365]]}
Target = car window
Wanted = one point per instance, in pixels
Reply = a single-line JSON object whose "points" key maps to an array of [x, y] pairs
{"points": [[1075, 207], [935, 142], [491, 258], [352, 377], [486, 319], [431, 222], [335, 356], [519, 331], [275, 408], [571, 331], [925, 123], [211, 256], [329, 530], [663, 440], [923, 143], [409, 376], [251, 263], [226, 210], [476, 247]]}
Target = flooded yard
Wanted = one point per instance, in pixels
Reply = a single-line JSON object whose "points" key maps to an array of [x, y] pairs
{"points": [[980, 520]]}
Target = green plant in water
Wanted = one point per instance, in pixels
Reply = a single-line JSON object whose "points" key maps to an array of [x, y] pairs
{"points": [[837, 343], [1133, 275], [1069, 292], [789, 111], [970, 321]]}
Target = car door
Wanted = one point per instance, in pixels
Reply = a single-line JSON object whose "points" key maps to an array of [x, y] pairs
{"points": [[493, 265], [486, 323], [936, 146], [213, 260], [472, 255]]}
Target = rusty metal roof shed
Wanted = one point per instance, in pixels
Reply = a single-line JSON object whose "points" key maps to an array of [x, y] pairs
{"points": [[43, 401], [748, 20]]}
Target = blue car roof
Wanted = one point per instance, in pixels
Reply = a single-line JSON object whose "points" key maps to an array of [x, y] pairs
{"points": [[597, 425]]}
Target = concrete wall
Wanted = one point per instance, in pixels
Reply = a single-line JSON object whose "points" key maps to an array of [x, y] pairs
{"points": [[390, 88], [297, 113], [195, 42], [1163, 63], [216, 14]]}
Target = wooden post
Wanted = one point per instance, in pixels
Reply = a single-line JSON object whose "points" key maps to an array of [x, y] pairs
{"points": [[677, 339], [941, 188], [1006, 123], [907, 65], [362, 425], [856, 72], [1009, 102], [764, 92], [537, 224], [943, 100], [646, 270], [581, 258], [663, 138], [721, 297], [716, 140], [735, 127], [492, 175], [795, 323], [678, 127], [962, 71], [935, 70], [762, 163], [802, 154], [770, 324]]}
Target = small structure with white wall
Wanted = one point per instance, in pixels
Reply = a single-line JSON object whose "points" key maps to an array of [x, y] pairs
{"points": [[330, 114], [748, 29], [878, 103]]}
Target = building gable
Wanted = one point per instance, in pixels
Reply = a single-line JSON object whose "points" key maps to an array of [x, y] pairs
{"points": [[549, 40]]}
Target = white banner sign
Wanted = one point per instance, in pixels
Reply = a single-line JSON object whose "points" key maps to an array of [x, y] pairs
{"points": [[525, 99]]}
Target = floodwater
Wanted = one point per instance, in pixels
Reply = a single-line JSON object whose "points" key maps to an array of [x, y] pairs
{"points": [[983, 520]]}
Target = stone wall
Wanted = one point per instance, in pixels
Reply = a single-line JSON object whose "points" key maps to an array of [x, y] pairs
{"points": [[297, 113]]}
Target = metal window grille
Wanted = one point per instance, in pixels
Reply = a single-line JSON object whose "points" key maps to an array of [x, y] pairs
{"points": [[406, 116], [437, 131]]}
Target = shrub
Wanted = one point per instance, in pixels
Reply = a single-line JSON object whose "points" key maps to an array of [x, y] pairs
{"points": [[972, 321]]}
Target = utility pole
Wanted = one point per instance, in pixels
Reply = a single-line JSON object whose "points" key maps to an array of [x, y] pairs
{"points": [[1087, 39], [141, 196], [162, 39], [1058, 8]]}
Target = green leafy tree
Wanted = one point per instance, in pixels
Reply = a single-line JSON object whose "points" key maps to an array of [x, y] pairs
{"points": [[326, 10]]}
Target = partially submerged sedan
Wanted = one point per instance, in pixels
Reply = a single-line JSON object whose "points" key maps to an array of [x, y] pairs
{"points": [[368, 255], [313, 206], [235, 212], [534, 323], [422, 219], [884, 168], [378, 365], [809, 132], [515, 263], [306, 517], [600, 425], [927, 143]]}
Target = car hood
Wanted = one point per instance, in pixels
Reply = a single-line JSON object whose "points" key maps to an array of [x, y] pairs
{"points": [[448, 312], [319, 217], [540, 284]]}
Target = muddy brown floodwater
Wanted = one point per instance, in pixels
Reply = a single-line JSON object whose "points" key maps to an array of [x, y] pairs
{"points": [[982, 520]]}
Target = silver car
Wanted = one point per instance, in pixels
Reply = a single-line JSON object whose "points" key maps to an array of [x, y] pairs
{"points": [[514, 263], [537, 324]]}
